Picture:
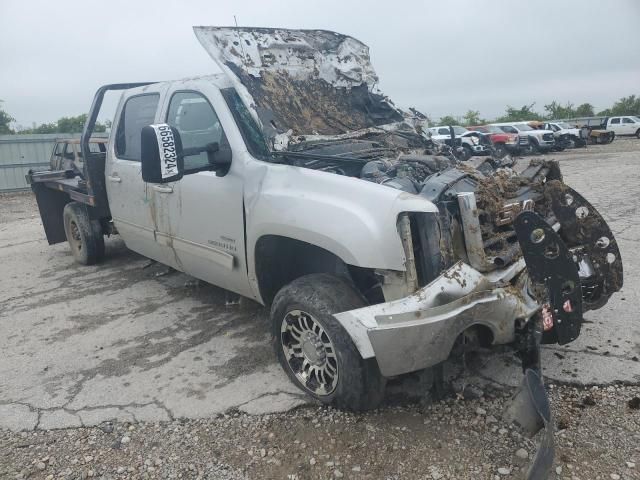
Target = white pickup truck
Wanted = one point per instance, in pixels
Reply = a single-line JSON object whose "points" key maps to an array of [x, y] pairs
{"points": [[470, 139], [289, 179], [620, 125], [539, 140]]}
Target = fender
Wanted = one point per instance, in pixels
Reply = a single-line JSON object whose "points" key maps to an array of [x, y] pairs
{"points": [[352, 218]]}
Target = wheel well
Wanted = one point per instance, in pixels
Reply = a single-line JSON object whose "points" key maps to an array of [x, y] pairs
{"points": [[280, 260]]}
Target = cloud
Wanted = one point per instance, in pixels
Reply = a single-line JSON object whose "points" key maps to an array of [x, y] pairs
{"points": [[442, 58]]}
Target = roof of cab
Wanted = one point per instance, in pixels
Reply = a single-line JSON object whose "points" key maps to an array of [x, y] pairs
{"points": [[219, 80]]}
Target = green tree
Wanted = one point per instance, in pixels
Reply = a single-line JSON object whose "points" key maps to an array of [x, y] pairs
{"points": [[585, 110], [5, 121], [472, 117], [524, 113], [66, 125], [556, 111], [449, 120], [626, 106]]}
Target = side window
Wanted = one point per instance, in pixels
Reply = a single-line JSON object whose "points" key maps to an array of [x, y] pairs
{"points": [[196, 121], [615, 121], [443, 131], [69, 154], [138, 112], [627, 120], [56, 159]]}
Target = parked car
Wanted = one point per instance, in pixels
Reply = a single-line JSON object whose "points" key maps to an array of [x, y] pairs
{"points": [[539, 140], [376, 258], [502, 142], [471, 141]]}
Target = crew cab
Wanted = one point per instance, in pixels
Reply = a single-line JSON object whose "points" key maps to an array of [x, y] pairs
{"points": [[503, 143], [471, 141], [376, 253], [539, 140], [621, 125], [66, 153]]}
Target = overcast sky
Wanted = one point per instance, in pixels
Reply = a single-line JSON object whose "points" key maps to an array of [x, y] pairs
{"points": [[441, 57]]}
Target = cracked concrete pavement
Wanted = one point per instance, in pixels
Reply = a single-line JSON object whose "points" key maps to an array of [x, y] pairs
{"points": [[125, 341]]}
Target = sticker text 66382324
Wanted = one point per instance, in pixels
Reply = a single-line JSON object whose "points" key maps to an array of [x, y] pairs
{"points": [[167, 147]]}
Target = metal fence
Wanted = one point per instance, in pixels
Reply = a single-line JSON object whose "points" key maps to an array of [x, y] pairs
{"points": [[21, 153]]}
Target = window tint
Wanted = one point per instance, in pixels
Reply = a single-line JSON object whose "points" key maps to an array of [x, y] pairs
{"points": [[443, 131], [138, 112], [615, 121], [508, 129], [192, 115], [627, 120]]}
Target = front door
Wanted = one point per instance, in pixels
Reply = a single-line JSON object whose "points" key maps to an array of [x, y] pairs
{"points": [[629, 127], [203, 218]]}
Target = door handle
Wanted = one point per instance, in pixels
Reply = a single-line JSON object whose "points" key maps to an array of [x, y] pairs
{"points": [[163, 188], [114, 178]]}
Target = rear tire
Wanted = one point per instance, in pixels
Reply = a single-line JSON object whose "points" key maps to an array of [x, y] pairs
{"points": [[467, 153], [313, 348], [83, 234]]}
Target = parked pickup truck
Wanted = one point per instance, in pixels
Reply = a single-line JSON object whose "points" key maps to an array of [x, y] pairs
{"points": [[291, 180], [539, 140], [471, 142], [623, 125], [566, 135], [503, 143]]}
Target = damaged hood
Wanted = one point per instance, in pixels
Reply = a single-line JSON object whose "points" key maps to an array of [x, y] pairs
{"points": [[300, 82]]}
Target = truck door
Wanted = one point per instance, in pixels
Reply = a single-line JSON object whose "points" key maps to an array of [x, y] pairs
{"points": [[629, 126], [615, 124], [204, 221], [132, 201]]}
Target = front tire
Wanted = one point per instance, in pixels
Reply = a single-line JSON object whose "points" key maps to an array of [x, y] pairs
{"points": [[500, 150], [83, 234], [313, 348], [638, 133]]}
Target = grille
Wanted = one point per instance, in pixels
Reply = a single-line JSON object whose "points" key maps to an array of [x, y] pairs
{"points": [[523, 140], [547, 136]]}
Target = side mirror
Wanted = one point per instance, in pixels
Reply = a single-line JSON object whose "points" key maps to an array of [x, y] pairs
{"points": [[219, 155], [161, 154]]}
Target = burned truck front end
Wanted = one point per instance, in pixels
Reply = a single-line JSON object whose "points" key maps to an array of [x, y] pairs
{"points": [[512, 257], [509, 254]]}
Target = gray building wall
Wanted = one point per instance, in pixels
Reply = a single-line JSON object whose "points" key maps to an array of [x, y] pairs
{"points": [[21, 153]]}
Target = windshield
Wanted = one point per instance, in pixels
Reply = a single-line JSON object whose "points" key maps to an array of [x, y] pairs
{"points": [[459, 130], [250, 131], [523, 127], [637, 119], [493, 129], [564, 125]]}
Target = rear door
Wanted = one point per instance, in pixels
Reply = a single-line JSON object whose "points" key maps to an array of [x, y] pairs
{"points": [[133, 203], [615, 125]]}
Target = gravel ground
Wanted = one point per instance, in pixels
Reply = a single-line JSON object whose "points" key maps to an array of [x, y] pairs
{"points": [[598, 437], [597, 432]]}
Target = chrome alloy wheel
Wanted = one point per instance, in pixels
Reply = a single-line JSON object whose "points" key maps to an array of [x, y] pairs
{"points": [[309, 352]]}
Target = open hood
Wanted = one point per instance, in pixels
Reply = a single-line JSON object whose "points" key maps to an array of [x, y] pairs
{"points": [[300, 82]]}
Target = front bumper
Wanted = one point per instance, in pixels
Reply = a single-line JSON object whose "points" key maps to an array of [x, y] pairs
{"points": [[420, 330]]}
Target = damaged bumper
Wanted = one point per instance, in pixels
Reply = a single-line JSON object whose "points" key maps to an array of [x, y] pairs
{"points": [[420, 330]]}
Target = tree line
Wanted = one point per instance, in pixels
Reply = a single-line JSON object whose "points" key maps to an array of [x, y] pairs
{"points": [[553, 111], [62, 125]]}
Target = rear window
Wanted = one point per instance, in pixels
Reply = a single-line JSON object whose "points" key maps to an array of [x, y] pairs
{"points": [[137, 113]]}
